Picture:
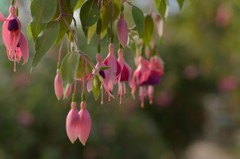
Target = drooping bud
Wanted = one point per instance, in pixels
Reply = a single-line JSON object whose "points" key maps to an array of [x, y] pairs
{"points": [[58, 85], [122, 30], [73, 123], [85, 123]]}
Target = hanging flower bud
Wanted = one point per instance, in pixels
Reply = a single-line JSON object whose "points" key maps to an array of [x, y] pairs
{"points": [[122, 30], [69, 90], [58, 86], [73, 123], [125, 75], [114, 69], [85, 123]]}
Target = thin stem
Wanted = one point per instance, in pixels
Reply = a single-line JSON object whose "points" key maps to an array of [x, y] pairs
{"points": [[60, 7], [75, 40], [60, 50], [151, 9]]}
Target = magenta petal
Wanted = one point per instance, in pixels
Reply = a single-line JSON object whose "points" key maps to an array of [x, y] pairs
{"points": [[122, 30], [2, 18], [24, 48], [85, 125], [58, 85], [73, 125]]}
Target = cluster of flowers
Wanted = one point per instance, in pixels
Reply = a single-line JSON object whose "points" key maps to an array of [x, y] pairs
{"points": [[78, 124]]}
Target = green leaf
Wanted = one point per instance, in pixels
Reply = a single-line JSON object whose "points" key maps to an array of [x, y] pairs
{"points": [[67, 9], [45, 41], [89, 14], [78, 5], [104, 20], [138, 18], [68, 69], [148, 30], [162, 6], [116, 8], [96, 86], [104, 68], [42, 11], [91, 32], [180, 3], [84, 71]]}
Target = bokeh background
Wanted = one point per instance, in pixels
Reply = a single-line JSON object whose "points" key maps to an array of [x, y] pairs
{"points": [[196, 110]]}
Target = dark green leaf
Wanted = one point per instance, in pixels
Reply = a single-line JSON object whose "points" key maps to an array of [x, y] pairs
{"points": [[148, 30], [138, 18], [89, 14], [45, 41], [180, 3], [68, 69], [96, 86], [42, 11]]}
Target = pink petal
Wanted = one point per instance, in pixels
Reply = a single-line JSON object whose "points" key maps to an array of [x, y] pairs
{"points": [[73, 125], [11, 38], [122, 30], [85, 125], [2, 18], [58, 85], [24, 48]]}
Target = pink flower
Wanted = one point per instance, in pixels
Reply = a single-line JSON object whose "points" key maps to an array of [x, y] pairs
{"points": [[85, 124], [156, 70], [147, 74], [69, 90], [125, 75], [141, 74], [58, 86], [102, 73], [122, 30], [13, 38], [114, 69], [73, 123]]}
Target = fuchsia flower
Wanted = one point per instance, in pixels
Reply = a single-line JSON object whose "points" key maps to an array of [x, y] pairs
{"points": [[73, 123], [58, 85], [85, 123], [125, 75], [122, 30], [13, 38], [147, 74], [114, 69], [103, 74]]}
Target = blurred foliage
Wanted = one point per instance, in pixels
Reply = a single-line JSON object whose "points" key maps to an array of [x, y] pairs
{"points": [[197, 99]]}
